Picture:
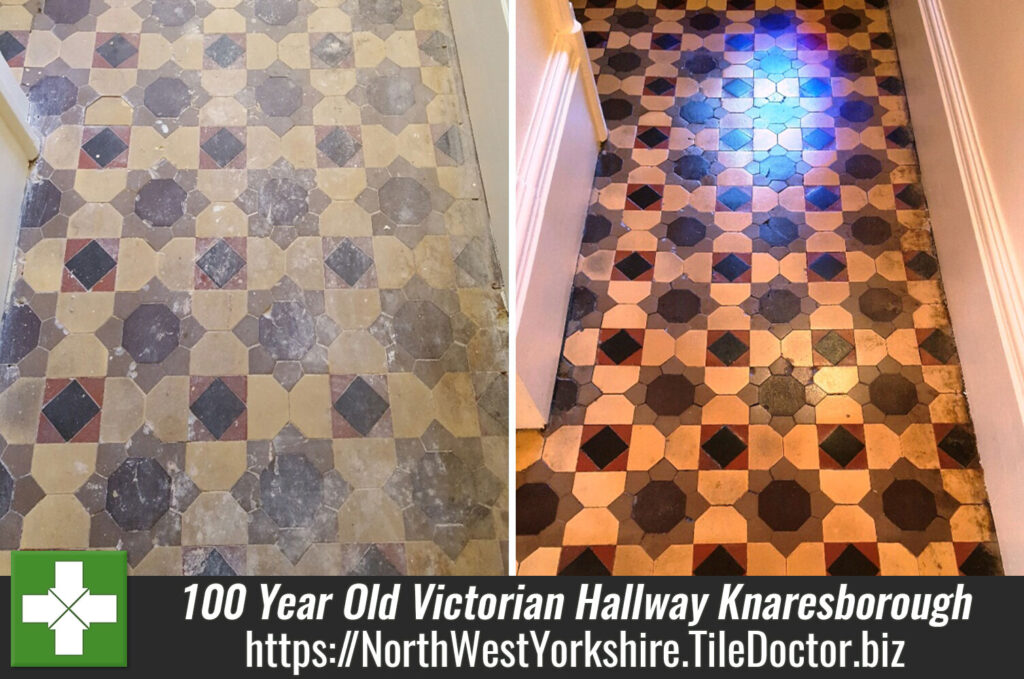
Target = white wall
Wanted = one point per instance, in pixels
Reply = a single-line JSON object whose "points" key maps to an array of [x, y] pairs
{"points": [[962, 63], [558, 130], [988, 39], [482, 38]]}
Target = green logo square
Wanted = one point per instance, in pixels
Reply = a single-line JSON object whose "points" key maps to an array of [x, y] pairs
{"points": [[69, 609]]}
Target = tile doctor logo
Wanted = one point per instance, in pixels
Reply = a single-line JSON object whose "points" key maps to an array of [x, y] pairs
{"points": [[69, 609]]}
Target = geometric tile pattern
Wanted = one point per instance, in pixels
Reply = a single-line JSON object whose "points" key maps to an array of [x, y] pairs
{"points": [[256, 326], [759, 374]]}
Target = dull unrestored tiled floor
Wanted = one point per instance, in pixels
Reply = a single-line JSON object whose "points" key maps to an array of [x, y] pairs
{"points": [[759, 375], [256, 326]]}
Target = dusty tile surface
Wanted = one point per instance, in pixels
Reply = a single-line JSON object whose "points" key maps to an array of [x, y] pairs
{"points": [[759, 374], [257, 326]]}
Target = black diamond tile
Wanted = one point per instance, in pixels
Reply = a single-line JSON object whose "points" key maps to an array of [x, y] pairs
{"points": [[900, 136], [924, 265], [450, 143], [940, 345], [70, 410], [90, 264], [224, 51], [912, 195], [981, 561], [732, 267], [331, 49], [603, 447], [587, 564], [217, 408], [374, 563], [221, 263], [663, 85], [728, 348], [361, 405], [852, 562], [216, 566], [652, 136], [724, 446], [339, 146], [842, 446], [644, 197], [349, 262], [223, 147], [10, 46], [960, 445], [620, 346], [117, 50], [719, 562], [104, 147], [633, 266], [827, 266], [833, 347]]}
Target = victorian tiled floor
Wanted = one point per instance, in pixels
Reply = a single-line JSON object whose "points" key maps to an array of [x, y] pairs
{"points": [[759, 375], [257, 325]]}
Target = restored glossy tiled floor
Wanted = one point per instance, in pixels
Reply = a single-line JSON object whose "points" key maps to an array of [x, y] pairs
{"points": [[759, 374], [257, 327]]}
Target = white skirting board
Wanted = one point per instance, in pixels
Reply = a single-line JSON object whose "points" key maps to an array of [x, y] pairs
{"points": [[983, 279], [554, 181]]}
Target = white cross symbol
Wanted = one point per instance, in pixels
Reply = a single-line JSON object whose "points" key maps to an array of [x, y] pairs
{"points": [[68, 608]]}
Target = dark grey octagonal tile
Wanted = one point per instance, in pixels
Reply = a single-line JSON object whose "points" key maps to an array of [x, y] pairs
{"points": [[151, 333], [19, 334], [287, 331], [167, 97], [161, 202], [279, 96], [41, 204], [283, 201], [423, 329], [276, 12], [138, 493], [291, 490], [52, 95], [404, 200], [173, 12], [66, 11], [391, 95]]}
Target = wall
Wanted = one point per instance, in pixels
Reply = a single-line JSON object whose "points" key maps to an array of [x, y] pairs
{"points": [[963, 97], [986, 37], [482, 38], [559, 126]]}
